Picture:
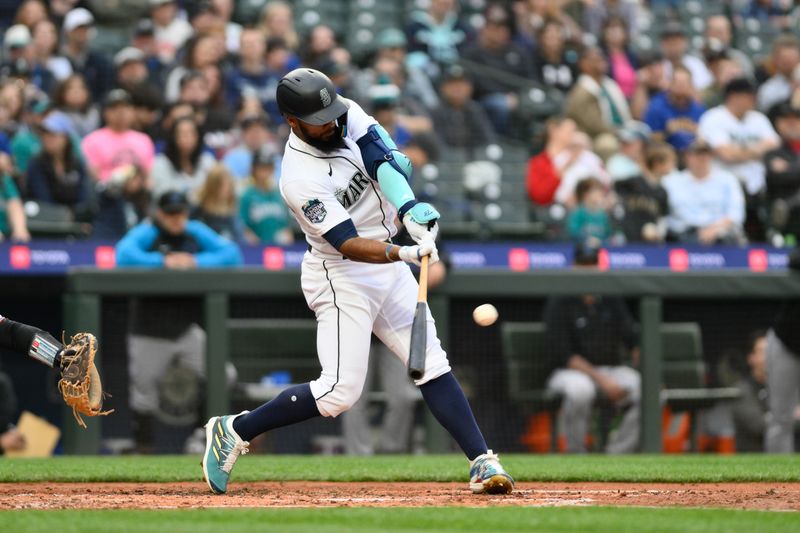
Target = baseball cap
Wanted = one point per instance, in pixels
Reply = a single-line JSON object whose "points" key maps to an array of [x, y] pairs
{"points": [[264, 156], [254, 120], [391, 38], [76, 18], [173, 202], [783, 110], [127, 55], [699, 146], [57, 122], [16, 36], [384, 94], [739, 86], [634, 130], [156, 3], [455, 72], [118, 96], [673, 29], [144, 27]]}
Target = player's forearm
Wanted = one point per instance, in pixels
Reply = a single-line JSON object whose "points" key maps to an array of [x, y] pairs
{"points": [[20, 338], [369, 251]]}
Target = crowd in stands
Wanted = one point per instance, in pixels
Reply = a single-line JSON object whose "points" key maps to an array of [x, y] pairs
{"points": [[642, 125]]}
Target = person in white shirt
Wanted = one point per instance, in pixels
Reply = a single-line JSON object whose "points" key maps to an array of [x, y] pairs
{"points": [[785, 58], [739, 135], [171, 31], [674, 46], [706, 204]]}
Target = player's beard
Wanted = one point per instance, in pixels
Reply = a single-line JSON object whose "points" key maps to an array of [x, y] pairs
{"points": [[327, 144]]}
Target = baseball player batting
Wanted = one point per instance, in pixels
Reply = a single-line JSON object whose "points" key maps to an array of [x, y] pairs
{"points": [[80, 383], [344, 181]]}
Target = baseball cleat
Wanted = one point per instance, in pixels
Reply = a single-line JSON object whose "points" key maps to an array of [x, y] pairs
{"points": [[486, 475], [223, 448]]}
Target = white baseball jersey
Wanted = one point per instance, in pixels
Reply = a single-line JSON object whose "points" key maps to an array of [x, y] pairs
{"points": [[325, 189], [350, 299]]}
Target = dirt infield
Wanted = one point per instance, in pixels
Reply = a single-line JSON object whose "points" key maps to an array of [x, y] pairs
{"points": [[769, 496]]}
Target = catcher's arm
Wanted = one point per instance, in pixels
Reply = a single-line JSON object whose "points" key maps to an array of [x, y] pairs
{"points": [[80, 383]]}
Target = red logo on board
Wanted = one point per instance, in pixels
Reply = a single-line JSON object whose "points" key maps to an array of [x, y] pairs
{"points": [[20, 257], [679, 260], [105, 257], [519, 260], [603, 260], [274, 258], [758, 260]]}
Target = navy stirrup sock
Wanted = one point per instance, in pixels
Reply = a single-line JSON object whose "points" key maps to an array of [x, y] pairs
{"points": [[448, 404], [293, 405]]}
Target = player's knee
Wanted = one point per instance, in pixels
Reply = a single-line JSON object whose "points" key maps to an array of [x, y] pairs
{"points": [[342, 398]]}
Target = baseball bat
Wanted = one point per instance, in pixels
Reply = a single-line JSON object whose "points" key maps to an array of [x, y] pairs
{"points": [[419, 329]]}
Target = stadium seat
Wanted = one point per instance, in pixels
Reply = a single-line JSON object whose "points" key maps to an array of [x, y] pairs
{"points": [[526, 365], [684, 373]]}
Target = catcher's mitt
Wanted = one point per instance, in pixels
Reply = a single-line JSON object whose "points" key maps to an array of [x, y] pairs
{"points": [[80, 382]]}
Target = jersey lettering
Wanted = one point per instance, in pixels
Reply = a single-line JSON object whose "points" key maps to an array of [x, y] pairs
{"points": [[351, 194]]}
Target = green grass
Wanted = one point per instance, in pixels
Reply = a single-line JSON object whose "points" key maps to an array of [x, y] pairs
{"points": [[641, 468], [505, 520]]}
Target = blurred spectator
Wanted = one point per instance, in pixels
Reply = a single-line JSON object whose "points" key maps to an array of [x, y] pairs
{"points": [[498, 67], [460, 121], [200, 52], [785, 59], [147, 105], [392, 45], [184, 164], [277, 20], [772, 12], [10, 437], [164, 332], [615, 42], [122, 202], [675, 46], [719, 37], [739, 135], [591, 338], [643, 198], [588, 222], [233, 30], [412, 110], [383, 103], [783, 373], [543, 176], [45, 50], [117, 144], [436, 34], [195, 90], [534, 15], [216, 204], [131, 68], [57, 175], [629, 160], [20, 59], [783, 171], [724, 70], [30, 13], [264, 214], [554, 65], [144, 39], [596, 103], [575, 163], [72, 97], [706, 203], [321, 44], [597, 12], [95, 68], [674, 115], [25, 142], [171, 31], [13, 225], [651, 81], [60, 8], [750, 411], [254, 134]]}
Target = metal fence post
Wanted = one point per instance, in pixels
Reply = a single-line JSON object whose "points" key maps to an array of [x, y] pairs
{"points": [[650, 364], [217, 348], [82, 313]]}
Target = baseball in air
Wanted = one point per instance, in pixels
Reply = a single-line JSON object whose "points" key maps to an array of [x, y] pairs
{"points": [[485, 315]]}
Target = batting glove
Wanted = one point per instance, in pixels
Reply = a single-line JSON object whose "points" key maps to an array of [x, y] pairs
{"points": [[420, 221], [414, 254]]}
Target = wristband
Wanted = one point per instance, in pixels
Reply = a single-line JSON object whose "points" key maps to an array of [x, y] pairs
{"points": [[388, 249]]}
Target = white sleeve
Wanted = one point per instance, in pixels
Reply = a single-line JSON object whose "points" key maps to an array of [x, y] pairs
{"points": [[358, 121], [314, 206], [765, 129], [711, 131]]}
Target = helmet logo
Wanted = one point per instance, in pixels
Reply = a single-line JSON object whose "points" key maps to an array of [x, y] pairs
{"points": [[325, 96]]}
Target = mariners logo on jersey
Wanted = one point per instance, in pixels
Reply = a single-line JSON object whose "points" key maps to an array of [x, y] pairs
{"points": [[349, 195], [314, 210]]}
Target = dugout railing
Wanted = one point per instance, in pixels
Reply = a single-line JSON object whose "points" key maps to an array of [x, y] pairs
{"points": [[86, 288]]}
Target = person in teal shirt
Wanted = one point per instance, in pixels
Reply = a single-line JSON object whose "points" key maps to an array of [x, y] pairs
{"points": [[589, 222], [12, 217], [261, 207]]}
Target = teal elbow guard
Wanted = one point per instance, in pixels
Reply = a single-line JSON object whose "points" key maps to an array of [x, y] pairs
{"points": [[394, 184]]}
